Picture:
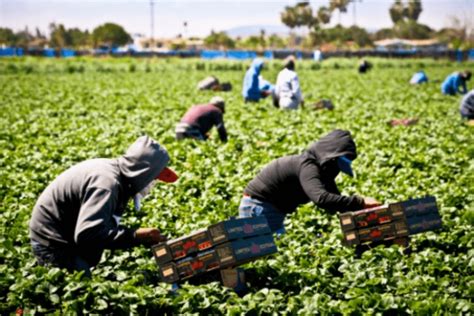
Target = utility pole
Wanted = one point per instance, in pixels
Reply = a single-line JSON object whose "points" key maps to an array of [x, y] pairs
{"points": [[152, 26], [354, 13]]}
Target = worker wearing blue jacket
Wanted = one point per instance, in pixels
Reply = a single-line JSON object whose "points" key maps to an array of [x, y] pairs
{"points": [[419, 78], [252, 89], [456, 82]]}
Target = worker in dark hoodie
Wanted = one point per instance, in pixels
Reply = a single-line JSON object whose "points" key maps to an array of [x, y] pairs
{"points": [[78, 215], [290, 181], [255, 87]]}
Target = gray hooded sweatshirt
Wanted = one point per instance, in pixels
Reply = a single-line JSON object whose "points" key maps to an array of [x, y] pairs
{"points": [[77, 209]]}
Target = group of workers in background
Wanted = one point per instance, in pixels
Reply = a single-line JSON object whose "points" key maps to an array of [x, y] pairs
{"points": [[453, 84], [78, 215]]}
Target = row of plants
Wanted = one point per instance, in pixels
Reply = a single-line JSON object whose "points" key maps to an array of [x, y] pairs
{"points": [[117, 65], [51, 121]]}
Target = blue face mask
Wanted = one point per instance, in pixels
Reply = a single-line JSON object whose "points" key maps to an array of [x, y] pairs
{"points": [[344, 164]]}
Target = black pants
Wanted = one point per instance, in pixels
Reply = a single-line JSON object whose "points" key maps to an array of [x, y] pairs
{"points": [[193, 135], [60, 257]]}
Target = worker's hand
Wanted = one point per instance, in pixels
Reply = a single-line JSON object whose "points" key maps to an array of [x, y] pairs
{"points": [[371, 202], [149, 236], [265, 93]]}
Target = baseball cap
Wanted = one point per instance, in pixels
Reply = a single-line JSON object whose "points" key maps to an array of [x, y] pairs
{"points": [[167, 175], [217, 100], [344, 164]]}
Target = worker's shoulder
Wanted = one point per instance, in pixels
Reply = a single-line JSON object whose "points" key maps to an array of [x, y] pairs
{"points": [[100, 173]]}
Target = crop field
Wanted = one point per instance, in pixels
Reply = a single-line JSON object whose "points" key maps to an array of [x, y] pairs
{"points": [[56, 113]]}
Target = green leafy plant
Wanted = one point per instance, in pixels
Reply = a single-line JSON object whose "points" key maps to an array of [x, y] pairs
{"points": [[58, 113]]}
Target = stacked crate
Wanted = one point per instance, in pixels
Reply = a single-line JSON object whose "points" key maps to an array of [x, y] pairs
{"points": [[394, 221], [224, 245]]}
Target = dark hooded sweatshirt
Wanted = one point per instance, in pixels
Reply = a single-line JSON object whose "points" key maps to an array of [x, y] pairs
{"points": [[290, 181], [77, 209]]}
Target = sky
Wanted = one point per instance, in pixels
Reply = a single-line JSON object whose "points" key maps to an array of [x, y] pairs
{"points": [[202, 16]]}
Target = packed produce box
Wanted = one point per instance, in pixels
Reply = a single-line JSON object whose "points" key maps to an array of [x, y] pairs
{"points": [[224, 245], [391, 221]]}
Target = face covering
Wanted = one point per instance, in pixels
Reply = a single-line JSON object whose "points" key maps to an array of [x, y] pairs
{"points": [[142, 194]]}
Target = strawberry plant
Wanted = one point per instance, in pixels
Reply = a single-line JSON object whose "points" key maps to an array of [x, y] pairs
{"points": [[56, 113]]}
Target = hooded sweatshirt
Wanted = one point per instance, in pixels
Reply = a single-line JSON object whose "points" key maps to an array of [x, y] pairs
{"points": [[290, 181], [251, 89], [77, 209], [467, 105], [453, 84]]}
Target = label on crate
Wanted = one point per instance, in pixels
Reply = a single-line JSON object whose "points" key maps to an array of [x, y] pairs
{"points": [[417, 207], [169, 273], [162, 253], [377, 233], [370, 217], [238, 228], [191, 266], [244, 250], [419, 224], [225, 254], [190, 244]]}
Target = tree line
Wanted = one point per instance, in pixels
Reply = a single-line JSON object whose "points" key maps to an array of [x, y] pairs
{"points": [[404, 15], [108, 34]]}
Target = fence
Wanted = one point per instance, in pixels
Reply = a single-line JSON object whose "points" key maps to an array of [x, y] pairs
{"points": [[456, 55]]}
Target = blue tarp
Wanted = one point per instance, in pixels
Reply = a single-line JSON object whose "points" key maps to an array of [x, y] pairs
{"points": [[459, 56], [232, 54], [268, 54], [7, 51], [67, 52], [11, 51], [48, 52], [241, 54], [471, 54], [211, 54]]}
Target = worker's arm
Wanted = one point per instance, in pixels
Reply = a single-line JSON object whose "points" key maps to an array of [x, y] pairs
{"points": [[221, 127], [326, 196], [97, 228]]}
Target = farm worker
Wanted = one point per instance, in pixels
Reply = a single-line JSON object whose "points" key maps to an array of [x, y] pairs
{"points": [[467, 107], [212, 83], [290, 181], [199, 120], [456, 82], [254, 86], [78, 215], [364, 66], [419, 78], [287, 89]]}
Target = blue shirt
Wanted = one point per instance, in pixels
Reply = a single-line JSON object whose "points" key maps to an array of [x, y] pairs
{"points": [[419, 77], [453, 83], [250, 88]]}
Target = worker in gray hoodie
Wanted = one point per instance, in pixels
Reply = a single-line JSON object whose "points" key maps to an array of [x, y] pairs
{"points": [[78, 214]]}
